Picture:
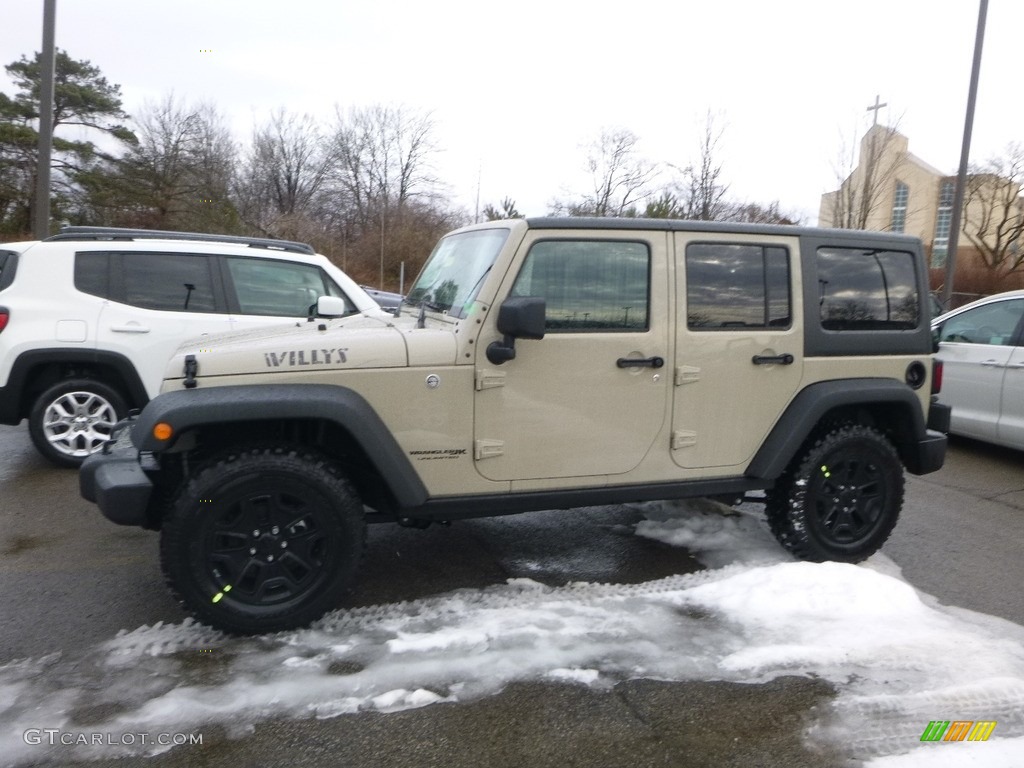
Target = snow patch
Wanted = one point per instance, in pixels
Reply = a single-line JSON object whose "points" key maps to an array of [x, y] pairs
{"points": [[897, 659]]}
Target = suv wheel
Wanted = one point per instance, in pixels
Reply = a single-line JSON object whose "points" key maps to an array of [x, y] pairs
{"points": [[840, 497], [263, 540], [73, 418]]}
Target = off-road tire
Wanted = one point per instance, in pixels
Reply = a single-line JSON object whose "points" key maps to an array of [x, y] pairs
{"points": [[73, 419], [840, 497], [263, 539]]}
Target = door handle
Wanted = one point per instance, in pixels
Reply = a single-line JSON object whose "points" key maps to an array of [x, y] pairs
{"points": [[640, 362], [129, 329], [993, 364], [786, 359]]}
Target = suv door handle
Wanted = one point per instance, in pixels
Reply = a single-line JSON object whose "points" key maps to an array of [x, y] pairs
{"points": [[992, 364], [786, 359], [129, 328], [640, 362]]}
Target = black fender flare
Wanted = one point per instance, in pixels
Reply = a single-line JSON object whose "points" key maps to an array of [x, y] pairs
{"points": [[186, 410], [13, 407], [814, 401]]}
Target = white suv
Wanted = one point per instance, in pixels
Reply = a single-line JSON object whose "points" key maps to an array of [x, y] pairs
{"points": [[89, 318]]}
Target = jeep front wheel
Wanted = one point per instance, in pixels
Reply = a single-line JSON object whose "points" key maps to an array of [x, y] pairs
{"points": [[73, 419], [840, 497], [263, 540]]}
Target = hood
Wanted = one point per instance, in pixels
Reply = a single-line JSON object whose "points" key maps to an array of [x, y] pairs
{"points": [[361, 341]]}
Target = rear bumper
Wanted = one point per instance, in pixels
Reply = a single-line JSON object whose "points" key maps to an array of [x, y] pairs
{"points": [[929, 454], [938, 417], [116, 483]]}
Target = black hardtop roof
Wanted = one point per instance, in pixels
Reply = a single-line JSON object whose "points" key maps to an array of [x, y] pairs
{"points": [[865, 237]]}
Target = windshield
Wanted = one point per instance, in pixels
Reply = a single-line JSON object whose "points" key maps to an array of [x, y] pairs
{"points": [[455, 271]]}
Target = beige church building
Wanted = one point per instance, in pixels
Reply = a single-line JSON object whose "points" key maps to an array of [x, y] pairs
{"points": [[893, 190]]}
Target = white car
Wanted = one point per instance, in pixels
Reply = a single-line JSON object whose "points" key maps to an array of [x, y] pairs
{"points": [[981, 350], [89, 318]]}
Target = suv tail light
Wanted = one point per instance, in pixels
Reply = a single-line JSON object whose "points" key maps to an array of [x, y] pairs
{"points": [[4, 317], [936, 376]]}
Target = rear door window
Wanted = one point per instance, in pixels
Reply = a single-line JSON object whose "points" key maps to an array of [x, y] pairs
{"points": [[92, 273], [180, 282], [735, 286]]}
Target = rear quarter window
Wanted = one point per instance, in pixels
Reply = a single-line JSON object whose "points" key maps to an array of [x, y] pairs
{"points": [[8, 266], [865, 289]]}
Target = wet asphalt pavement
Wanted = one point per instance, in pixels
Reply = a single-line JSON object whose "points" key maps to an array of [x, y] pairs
{"points": [[70, 579]]}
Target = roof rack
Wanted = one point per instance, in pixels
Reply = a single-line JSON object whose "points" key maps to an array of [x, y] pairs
{"points": [[123, 233]]}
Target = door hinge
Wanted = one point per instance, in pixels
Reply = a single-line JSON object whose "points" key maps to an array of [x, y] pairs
{"points": [[489, 379], [683, 438], [687, 374]]}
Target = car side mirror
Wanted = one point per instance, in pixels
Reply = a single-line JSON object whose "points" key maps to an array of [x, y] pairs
{"points": [[328, 306], [520, 317], [936, 338]]}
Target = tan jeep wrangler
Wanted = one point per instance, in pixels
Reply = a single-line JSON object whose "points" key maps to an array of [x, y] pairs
{"points": [[540, 364]]}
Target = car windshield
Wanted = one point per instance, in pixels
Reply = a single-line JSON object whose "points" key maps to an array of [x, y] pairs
{"points": [[455, 271]]}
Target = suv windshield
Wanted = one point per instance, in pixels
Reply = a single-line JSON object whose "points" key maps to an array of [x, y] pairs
{"points": [[455, 271]]}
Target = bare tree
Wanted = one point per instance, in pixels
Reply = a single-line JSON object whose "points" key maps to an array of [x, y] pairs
{"points": [[864, 182], [620, 178], [177, 176], [701, 191], [284, 170], [382, 161], [756, 213], [382, 197], [994, 210]]}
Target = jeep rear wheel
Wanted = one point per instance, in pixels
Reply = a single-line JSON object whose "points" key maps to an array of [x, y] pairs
{"points": [[263, 540], [73, 419], [840, 497]]}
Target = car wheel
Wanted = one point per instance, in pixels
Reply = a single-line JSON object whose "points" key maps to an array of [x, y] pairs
{"points": [[840, 497], [263, 540], [73, 419]]}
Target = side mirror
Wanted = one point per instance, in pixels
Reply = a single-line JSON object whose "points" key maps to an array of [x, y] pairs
{"points": [[521, 317], [328, 306], [936, 338]]}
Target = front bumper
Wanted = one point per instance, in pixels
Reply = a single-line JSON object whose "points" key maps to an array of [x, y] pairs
{"points": [[115, 481]]}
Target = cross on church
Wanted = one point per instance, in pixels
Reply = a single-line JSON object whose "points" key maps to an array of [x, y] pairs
{"points": [[875, 109]]}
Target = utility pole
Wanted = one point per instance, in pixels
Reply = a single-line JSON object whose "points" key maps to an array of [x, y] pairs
{"points": [[965, 152], [47, 65]]}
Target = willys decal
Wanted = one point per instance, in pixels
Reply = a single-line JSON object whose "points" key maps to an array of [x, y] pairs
{"points": [[305, 357]]}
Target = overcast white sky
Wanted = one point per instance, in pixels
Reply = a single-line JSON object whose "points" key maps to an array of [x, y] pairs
{"points": [[517, 88]]}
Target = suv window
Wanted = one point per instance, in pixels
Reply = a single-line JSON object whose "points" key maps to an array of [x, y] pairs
{"points": [[269, 287], [92, 273], [732, 285], [990, 324], [589, 285], [170, 281], [861, 289], [8, 264]]}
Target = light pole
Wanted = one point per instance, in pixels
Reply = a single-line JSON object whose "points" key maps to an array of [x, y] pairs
{"points": [[965, 151], [47, 65]]}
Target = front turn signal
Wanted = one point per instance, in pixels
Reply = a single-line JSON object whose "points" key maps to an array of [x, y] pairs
{"points": [[162, 431]]}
